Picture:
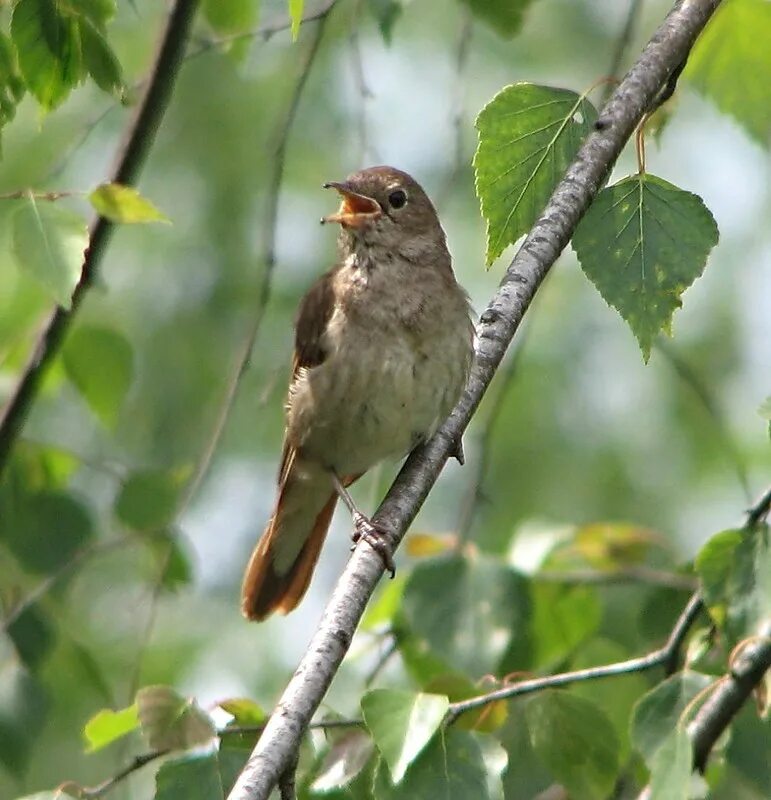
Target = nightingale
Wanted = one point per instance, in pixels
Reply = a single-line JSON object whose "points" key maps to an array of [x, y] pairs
{"points": [[383, 347]]}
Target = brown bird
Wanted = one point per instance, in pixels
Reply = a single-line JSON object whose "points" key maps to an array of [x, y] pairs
{"points": [[383, 347]]}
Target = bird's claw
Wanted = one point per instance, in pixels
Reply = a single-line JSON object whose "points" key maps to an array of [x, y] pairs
{"points": [[376, 538]]}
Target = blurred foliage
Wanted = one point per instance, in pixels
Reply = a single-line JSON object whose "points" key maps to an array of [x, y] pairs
{"points": [[570, 538]]}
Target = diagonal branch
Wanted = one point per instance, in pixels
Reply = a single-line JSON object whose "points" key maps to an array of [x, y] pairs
{"points": [[667, 49], [140, 138]]}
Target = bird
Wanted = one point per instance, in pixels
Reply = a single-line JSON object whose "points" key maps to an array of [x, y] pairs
{"points": [[383, 348]]}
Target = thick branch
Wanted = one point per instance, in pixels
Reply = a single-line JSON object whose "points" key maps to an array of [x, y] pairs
{"points": [[140, 138], [667, 49]]}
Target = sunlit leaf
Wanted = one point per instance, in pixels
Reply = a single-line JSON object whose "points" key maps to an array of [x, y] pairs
{"points": [[671, 767], [100, 363], [485, 719], [48, 242], [170, 721], [528, 135], [421, 545], [452, 767], [231, 16], [642, 243], [504, 16], [244, 711], [736, 43], [584, 756], [124, 204], [48, 44], [402, 723], [107, 725], [347, 757], [296, 16], [658, 712]]}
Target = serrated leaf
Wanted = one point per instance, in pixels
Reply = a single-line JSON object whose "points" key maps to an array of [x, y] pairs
{"points": [[736, 43], [452, 767], [672, 766], [734, 569], [345, 760], [584, 756], [48, 242], [148, 500], [124, 204], [100, 60], [296, 16], [100, 363], [48, 46], [402, 724], [46, 529], [642, 243], [106, 726], [504, 16], [528, 135], [658, 712], [466, 610], [170, 721]]}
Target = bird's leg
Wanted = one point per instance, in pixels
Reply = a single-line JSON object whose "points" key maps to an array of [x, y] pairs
{"points": [[364, 528]]}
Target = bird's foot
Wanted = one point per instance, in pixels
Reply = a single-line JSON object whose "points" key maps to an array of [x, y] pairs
{"points": [[377, 538]]}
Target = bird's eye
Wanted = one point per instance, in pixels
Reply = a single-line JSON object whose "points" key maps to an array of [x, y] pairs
{"points": [[398, 198]]}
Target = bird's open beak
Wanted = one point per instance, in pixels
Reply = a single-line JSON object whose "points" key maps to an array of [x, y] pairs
{"points": [[355, 210]]}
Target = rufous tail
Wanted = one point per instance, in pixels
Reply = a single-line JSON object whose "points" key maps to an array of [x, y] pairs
{"points": [[281, 565]]}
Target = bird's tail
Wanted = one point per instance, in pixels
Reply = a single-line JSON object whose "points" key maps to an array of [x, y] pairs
{"points": [[281, 565]]}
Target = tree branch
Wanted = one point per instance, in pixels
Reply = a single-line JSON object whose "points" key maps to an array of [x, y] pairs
{"points": [[667, 49], [141, 136]]}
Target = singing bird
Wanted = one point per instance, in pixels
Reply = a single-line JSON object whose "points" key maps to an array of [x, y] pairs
{"points": [[383, 347]]}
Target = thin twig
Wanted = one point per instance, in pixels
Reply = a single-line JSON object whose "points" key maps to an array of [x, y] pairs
{"points": [[624, 39], [760, 509], [497, 326], [141, 136], [268, 257], [661, 657], [638, 574], [82, 555], [265, 31]]}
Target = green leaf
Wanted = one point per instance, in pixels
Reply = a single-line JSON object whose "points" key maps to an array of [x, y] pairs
{"points": [[244, 711], [734, 567], [100, 61], [169, 552], [658, 712], [148, 500], [106, 726], [349, 754], [583, 757], [200, 777], [402, 724], [486, 719], [32, 635], [46, 530], [672, 766], [386, 12], [99, 12], [528, 135], [124, 204], [48, 45], [231, 16], [452, 767], [170, 721], [735, 43], [11, 84], [48, 242], [23, 710], [100, 363], [296, 16], [466, 609], [504, 16], [642, 243]]}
